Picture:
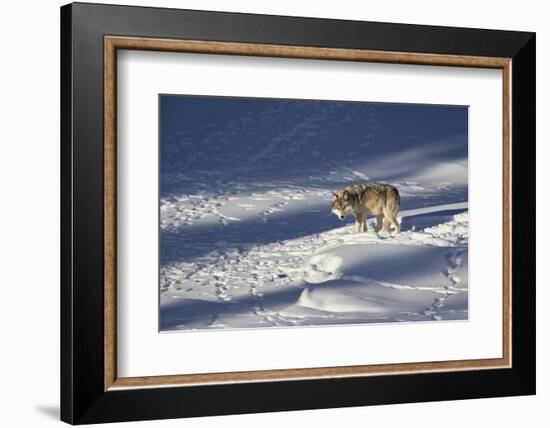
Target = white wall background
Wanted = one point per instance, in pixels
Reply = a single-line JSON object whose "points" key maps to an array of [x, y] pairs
{"points": [[29, 218]]}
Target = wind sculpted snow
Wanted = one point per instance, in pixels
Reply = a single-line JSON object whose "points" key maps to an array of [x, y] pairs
{"points": [[246, 234]]}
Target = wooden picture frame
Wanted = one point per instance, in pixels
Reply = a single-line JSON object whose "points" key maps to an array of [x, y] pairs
{"points": [[91, 390]]}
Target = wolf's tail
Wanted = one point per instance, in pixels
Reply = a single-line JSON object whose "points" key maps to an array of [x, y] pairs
{"points": [[393, 200]]}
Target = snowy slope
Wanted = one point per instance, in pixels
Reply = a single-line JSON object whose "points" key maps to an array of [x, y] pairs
{"points": [[247, 238]]}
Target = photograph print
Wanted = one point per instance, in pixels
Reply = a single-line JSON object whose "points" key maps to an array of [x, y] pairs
{"points": [[300, 213]]}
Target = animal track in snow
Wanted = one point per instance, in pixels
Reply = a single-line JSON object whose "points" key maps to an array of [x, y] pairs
{"points": [[454, 259]]}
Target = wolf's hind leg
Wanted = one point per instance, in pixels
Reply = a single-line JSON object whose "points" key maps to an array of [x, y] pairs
{"points": [[379, 223], [391, 217]]}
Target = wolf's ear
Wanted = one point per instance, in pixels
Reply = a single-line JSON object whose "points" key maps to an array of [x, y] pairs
{"points": [[345, 195], [334, 197]]}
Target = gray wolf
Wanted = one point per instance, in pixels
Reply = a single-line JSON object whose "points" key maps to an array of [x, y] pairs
{"points": [[380, 200]]}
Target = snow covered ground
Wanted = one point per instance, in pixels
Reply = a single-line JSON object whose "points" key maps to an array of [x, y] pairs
{"points": [[246, 234]]}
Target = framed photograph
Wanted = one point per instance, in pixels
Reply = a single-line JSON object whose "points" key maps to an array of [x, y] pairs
{"points": [[266, 213]]}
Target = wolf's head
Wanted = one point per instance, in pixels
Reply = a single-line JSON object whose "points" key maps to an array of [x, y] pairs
{"points": [[340, 204]]}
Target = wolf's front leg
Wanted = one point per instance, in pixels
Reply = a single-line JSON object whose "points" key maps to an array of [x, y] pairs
{"points": [[360, 225]]}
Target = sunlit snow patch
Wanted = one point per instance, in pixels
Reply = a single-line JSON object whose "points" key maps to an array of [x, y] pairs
{"points": [[322, 268]]}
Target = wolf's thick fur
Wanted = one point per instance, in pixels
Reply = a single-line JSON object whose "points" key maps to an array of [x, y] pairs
{"points": [[380, 200]]}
